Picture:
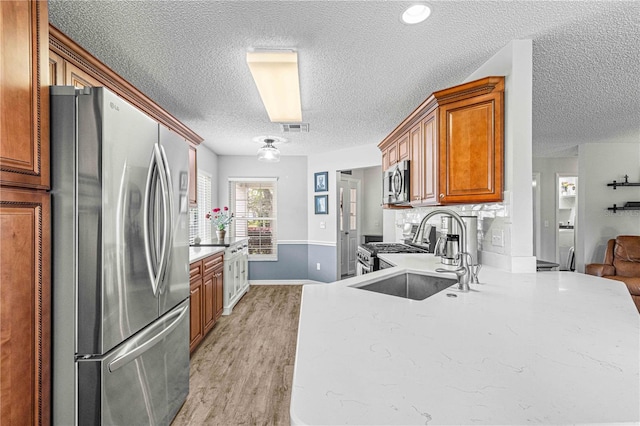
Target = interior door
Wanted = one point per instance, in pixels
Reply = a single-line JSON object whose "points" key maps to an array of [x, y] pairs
{"points": [[348, 225]]}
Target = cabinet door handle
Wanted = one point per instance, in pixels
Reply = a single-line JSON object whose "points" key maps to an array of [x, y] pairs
{"points": [[441, 195]]}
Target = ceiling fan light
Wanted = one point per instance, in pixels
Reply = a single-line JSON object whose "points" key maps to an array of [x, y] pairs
{"points": [[416, 14], [269, 153]]}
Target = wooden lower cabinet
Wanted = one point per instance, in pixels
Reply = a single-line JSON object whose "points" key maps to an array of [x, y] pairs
{"points": [[206, 296], [208, 303], [218, 288], [195, 306], [25, 307]]}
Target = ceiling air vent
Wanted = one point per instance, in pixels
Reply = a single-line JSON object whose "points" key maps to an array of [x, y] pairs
{"points": [[294, 127]]}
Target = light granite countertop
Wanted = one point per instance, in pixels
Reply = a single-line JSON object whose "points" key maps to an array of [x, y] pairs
{"points": [[197, 253], [547, 347]]}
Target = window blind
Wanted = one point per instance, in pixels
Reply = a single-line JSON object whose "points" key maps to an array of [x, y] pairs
{"points": [[199, 225], [254, 204]]}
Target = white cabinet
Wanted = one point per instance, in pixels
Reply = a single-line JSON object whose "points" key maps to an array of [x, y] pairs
{"points": [[236, 274]]}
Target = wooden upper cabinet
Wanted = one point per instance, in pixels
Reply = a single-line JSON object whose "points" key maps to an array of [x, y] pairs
{"points": [[193, 176], [392, 154], [471, 150], [24, 94], [25, 307], [403, 147], [430, 177], [455, 142], [424, 160], [78, 78], [417, 163], [56, 70]]}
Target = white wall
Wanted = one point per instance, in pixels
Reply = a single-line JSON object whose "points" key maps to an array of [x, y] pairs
{"points": [[598, 165], [208, 163], [515, 62], [293, 192], [548, 167], [346, 159]]}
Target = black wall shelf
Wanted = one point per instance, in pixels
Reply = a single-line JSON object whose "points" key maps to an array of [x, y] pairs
{"points": [[615, 208], [626, 182], [630, 205]]}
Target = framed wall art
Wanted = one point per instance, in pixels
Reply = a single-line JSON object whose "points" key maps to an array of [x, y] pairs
{"points": [[322, 204], [321, 180]]}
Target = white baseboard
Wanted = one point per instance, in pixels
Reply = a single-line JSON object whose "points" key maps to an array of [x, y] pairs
{"points": [[283, 282]]}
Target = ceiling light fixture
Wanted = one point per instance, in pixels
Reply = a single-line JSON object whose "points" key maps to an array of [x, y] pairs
{"points": [[276, 76], [416, 14], [269, 153]]}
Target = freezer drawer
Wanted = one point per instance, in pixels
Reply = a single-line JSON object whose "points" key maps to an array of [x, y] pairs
{"points": [[145, 381]]}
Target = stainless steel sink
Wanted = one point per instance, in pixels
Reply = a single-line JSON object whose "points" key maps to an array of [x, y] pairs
{"points": [[409, 285]]}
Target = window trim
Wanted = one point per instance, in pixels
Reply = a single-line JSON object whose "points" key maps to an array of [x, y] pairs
{"points": [[200, 232], [232, 203]]}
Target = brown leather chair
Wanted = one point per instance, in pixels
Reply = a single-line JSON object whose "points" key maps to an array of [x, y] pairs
{"points": [[622, 263]]}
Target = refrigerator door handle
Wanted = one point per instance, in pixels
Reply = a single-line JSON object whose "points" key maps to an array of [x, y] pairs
{"points": [[156, 170], [168, 213], [149, 187], [162, 264], [175, 318]]}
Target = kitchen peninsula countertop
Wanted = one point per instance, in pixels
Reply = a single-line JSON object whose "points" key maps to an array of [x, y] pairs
{"points": [[546, 347]]}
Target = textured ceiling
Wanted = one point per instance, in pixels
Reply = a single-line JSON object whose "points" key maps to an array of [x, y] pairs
{"points": [[361, 69]]}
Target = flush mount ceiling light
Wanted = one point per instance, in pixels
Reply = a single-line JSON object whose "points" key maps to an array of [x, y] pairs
{"points": [[269, 153], [276, 76], [416, 14]]}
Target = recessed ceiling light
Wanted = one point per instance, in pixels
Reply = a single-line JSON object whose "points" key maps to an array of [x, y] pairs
{"points": [[416, 13]]}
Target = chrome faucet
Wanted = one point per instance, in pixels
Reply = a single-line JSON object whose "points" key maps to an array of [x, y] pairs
{"points": [[464, 272], [418, 237]]}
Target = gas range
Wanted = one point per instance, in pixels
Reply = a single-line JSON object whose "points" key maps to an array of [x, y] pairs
{"points": [[367, 254]]}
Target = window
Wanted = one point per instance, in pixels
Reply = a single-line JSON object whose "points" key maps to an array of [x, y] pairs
{"points": [[253, 202], [199, 226]]}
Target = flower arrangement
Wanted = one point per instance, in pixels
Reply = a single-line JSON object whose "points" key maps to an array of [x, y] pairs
{"points": [[220, 217], [568, 186]]}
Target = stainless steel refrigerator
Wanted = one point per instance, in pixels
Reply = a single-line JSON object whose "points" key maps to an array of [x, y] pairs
{"points": [[120, 262]]}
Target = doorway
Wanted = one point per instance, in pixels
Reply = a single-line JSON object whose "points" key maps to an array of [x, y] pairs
{"points": [[566, 220], [348, 224]]}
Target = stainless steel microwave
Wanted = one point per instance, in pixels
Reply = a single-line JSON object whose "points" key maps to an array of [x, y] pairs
{"points": [[395, 184]]}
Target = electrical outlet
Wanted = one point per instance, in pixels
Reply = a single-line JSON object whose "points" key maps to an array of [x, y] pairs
{"points": [[323, 225], [497, 238], [546, 223], [317, 266]]}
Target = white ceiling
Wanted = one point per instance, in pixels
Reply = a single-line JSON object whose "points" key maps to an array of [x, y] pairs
{"points": [[362, 70]]}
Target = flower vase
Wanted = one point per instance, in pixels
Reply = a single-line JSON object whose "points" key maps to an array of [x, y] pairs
{"points": [[220, 234]]}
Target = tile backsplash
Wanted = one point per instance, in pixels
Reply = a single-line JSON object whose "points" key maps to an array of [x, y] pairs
{"points": [[493, 220]]}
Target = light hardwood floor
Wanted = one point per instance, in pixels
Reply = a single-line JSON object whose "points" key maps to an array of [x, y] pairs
{"points": [[242, 371]]}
